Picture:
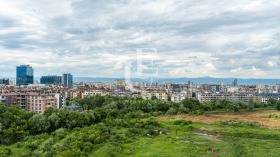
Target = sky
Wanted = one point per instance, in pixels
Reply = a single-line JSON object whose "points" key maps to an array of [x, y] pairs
{"points": [[141, 38]]}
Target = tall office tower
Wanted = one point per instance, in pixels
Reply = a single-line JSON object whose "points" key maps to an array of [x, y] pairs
{"points": [[24, 75], [67, 80], [234, 83], [51, 79], [4, 81]]}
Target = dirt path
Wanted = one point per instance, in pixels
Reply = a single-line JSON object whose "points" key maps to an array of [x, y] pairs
{"points": [[257, 116]]}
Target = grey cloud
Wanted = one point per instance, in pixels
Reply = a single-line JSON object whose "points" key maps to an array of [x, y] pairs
{"points": [[98, 34]]}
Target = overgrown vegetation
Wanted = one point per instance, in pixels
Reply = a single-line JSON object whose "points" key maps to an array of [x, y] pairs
{"points": [[112, 126], [240, 123]]}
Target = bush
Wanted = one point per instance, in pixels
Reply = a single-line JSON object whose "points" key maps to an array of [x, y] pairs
{"points": [[239, 123], [171, 111], [272, 116], [132, 132], [182, 122], [32, 145], [197, 112], [152, 122], [5, 152], [47, 144], [152, 132]]}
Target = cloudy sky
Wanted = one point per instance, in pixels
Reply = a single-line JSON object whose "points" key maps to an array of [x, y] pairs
{"points": [[179, 38]]}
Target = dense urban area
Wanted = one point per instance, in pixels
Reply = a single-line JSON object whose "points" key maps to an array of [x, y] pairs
{"points": [[53, 90]]}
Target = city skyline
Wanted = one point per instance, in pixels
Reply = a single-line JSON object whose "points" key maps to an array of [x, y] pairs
{"points": [[97, 39]]}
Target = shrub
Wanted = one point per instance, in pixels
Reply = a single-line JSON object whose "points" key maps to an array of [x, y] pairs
{"points": [[171, 111], [152, 122], [182, 122], [197, 112], [152, 132], [5, 152], [239, 123], [272, 116], [132, 132], [32, 145]]}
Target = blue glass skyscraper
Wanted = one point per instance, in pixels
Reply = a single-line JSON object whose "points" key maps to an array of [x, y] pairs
{"points": [[51, 79], [24, 75], [67, 80]]}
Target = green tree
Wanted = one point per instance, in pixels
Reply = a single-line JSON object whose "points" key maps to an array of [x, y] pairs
{"points": [[2, 108], [54, 120], [38, 123], [154, 98], [277, 105], [171, 111], [182, 109], [251, 104], [235, 107]]}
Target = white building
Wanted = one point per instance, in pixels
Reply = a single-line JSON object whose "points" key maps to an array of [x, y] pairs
{"points": [[178, 97], [96, 92]]}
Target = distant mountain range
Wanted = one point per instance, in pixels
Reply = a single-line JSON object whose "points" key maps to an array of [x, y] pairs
{"points": [[200, 80]]}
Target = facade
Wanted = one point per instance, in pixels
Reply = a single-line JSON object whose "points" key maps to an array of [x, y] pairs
{"points": [[24, 75], [178, 97], [60, 100], [208, 97], [96, 92], [4, 81], [234, 83], [36, 102], [67, 80], [148, 94], [267, 88], [51, 79], [74, 108], [266, 97], [39, 103]]}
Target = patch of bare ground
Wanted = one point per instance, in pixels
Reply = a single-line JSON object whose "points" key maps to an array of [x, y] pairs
{"points": [[209, 137], [262, 117]]}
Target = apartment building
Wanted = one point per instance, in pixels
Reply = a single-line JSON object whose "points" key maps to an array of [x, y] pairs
{"points": [[31, 101], [242, 97], [178, 97], [267, 96], [94, 92], [148, 94]]}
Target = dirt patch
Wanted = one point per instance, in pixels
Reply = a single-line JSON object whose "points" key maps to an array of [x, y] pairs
{"points": [[209, 137], [261, 117]]}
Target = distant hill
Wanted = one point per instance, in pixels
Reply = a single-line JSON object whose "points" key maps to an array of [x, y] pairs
{"points": [[200, 80]]}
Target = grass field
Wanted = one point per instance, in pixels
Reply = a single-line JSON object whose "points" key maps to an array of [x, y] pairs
{"points": [[249, 134]]}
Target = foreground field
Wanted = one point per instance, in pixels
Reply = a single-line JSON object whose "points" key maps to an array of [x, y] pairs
{"points": [[245, 134]]}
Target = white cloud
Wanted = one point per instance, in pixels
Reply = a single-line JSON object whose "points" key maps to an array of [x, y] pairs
{"points": [[271, 63], [257, 72], [96, 38], [177, 72], [209, 68], [237, 70]]}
